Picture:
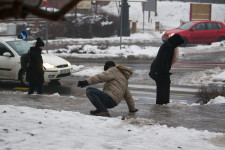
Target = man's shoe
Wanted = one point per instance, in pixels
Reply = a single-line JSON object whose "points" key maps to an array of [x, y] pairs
{"points": [[104, 114], [92, 112]]}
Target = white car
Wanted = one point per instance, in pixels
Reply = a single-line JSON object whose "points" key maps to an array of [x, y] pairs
{"points": [[10, 68]]}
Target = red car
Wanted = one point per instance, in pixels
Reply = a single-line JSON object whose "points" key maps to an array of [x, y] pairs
{"points": [[198, 32]]}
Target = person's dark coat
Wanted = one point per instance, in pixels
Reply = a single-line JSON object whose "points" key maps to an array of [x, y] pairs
{"points": [[35, 73], [160, 67]]}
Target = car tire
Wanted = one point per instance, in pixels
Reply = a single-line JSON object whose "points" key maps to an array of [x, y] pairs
{"points": [[22, 77], [185, 42], [222, 38]]}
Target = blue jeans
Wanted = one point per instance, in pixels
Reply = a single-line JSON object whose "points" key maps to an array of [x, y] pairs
{"points": [[33, 86], [100, 99]]}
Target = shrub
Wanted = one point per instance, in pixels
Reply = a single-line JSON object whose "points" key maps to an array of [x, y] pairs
{"points": [[100, 25], [57, 29], [77, 49], [206, 93], [103, 45], [83, 26], [106, 26]]}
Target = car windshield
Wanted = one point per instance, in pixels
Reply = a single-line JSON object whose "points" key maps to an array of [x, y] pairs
{"points": [[20, 46], [186, 26]]}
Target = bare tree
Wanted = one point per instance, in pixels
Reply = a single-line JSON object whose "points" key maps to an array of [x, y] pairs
{"points": [[20, 9]]}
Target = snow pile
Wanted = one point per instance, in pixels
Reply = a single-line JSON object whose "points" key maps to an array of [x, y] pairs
{"points": [[50, 9], [26, 128], [88, 71], [217, 100], [214, 47], [106, 23], [219, 77], [77, 68], [206, 77], [93, 51], [55, 95], [147, 52], [133, 38]]}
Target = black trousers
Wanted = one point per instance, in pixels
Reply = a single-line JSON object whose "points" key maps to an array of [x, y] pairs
{"points": [[163, 92]]}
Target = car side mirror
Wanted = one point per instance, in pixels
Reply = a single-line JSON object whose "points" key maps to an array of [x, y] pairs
{"points": [[7, 54], [192, 29]]}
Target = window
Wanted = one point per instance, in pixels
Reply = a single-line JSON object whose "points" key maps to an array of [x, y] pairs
{"points": [[20, 46], [212, 26], [200, 26], [4, 49], [186, 26], [219, 25]]}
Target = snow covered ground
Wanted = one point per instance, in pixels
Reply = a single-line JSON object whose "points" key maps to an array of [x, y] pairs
{"points": [[169, 14], [57, 130], [95, 51], [210, 76]]}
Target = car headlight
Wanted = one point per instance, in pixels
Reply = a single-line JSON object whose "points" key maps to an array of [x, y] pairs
{"points": [[69, 64], [163, 33], [171, 34], [49, 66]]}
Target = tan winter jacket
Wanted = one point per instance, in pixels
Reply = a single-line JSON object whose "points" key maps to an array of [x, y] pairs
{"points": [[116, 85]]}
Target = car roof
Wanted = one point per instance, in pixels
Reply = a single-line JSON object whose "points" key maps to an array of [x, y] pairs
{"points": [[5, 38], [199, 21]]}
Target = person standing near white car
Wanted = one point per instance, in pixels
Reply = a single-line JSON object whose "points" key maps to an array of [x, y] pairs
{"points": [[35, 72]]}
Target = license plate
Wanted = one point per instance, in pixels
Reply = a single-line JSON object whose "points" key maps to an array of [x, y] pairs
{"points": [[65, 71]]}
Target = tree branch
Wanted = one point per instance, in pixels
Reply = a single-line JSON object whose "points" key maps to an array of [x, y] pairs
{"points": [[18, 9]]}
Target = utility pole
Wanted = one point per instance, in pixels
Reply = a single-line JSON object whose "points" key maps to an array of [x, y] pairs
{"points": [[124, 20], [121, 23], [46, 32]]}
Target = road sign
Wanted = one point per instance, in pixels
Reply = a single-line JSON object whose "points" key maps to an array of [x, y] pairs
{"points": [[23, 35]]}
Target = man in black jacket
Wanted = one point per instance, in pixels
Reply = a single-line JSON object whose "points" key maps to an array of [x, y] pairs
{"points": [[160, 67], [35, 72]]}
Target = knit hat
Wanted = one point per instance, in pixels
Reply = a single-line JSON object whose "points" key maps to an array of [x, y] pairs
{"points": [[176, 40], [109, 64], [39, 43]]}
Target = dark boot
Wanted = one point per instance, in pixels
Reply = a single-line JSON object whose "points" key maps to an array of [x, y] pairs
{"points": [[92, 112], [104, 114]]}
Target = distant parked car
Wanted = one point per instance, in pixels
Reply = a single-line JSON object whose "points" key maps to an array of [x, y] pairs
{"points": [[198, 32], [10, 68]]}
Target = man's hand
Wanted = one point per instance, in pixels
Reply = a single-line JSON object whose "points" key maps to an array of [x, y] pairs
{"points": [[133, 111], [82, 83]]}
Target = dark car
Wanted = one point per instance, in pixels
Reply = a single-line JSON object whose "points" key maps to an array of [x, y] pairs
{"points": [[198, 32]]}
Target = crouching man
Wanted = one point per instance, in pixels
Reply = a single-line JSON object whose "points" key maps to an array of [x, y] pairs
{"points": [[114, 90]]}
